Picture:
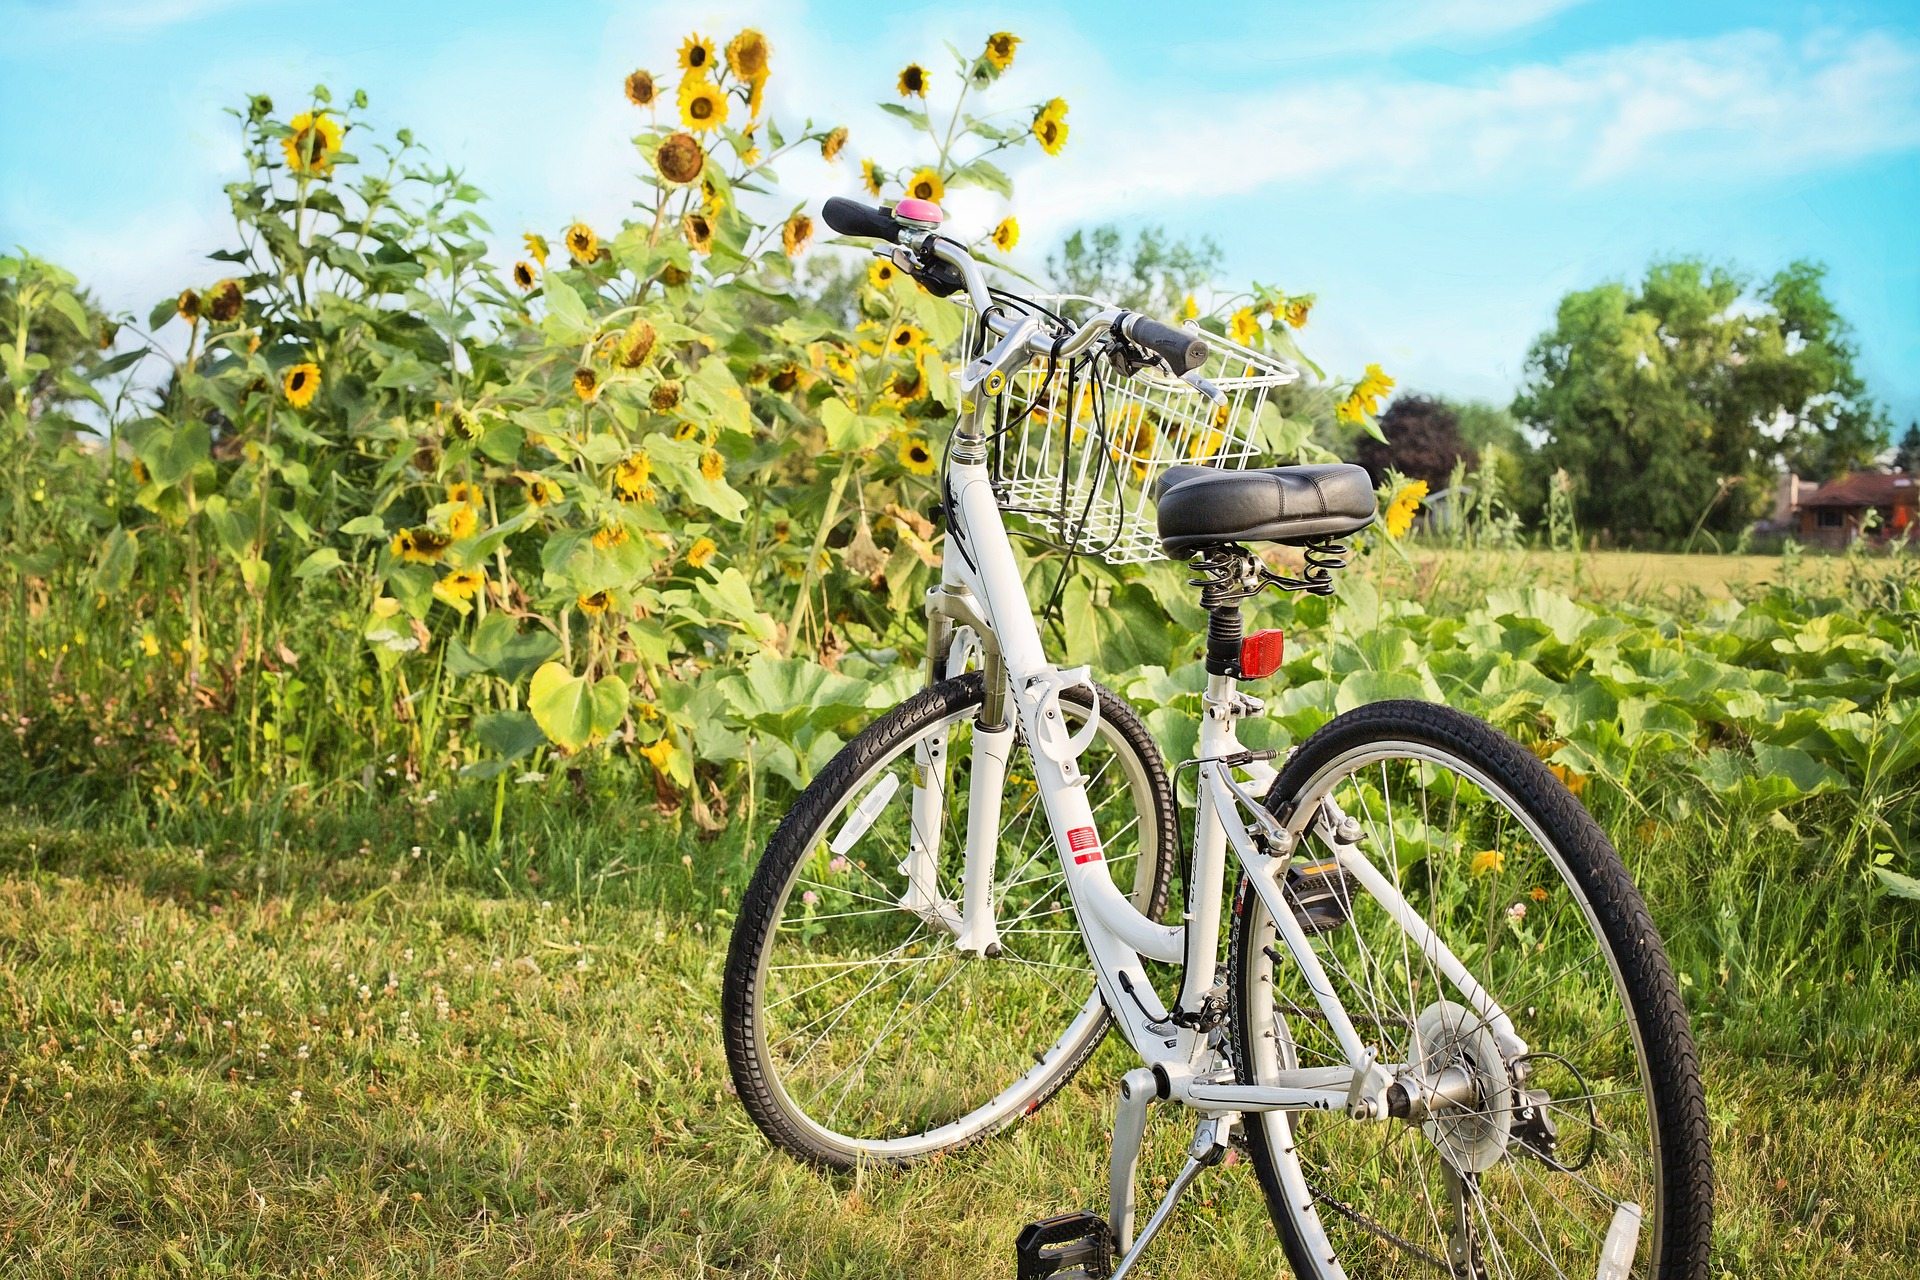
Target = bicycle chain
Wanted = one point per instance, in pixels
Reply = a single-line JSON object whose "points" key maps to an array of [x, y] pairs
{"points": [[1360, 1220]]}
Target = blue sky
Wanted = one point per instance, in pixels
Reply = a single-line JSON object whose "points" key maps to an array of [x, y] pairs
{"points": [[1439, 172]]}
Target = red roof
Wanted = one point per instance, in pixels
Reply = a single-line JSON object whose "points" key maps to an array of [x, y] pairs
{"points": [[1865, 489]]}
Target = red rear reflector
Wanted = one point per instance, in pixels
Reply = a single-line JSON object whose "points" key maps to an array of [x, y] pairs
{"points": [[1260, 654]]}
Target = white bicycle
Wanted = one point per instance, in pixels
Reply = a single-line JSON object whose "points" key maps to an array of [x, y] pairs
{"points": [[1446, 1030]]}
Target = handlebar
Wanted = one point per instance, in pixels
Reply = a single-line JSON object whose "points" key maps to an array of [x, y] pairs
{"points": [[944, 266]]}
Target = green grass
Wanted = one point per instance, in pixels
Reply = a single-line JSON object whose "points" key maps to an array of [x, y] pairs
{"points": [[303, 1050]]}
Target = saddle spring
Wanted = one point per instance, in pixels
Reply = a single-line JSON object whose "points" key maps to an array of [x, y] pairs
{"points": [[1229, 573]]}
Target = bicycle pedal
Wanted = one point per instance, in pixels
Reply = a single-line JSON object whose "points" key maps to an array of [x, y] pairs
{"points": [[1320, 893], [1072, 1246]]}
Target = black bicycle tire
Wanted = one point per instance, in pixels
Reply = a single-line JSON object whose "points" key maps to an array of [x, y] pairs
{"points": [[1679, 1110], [795, 836]]}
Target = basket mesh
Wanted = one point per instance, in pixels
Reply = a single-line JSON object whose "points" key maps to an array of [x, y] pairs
{"points": [[1082, 465]]}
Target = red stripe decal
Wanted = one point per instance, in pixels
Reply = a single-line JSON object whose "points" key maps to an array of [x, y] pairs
{"points": [[1082, 838], [1080, 858]]}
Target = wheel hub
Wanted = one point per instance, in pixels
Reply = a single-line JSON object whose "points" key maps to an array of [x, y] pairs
{"points": [[1451, 1038]]}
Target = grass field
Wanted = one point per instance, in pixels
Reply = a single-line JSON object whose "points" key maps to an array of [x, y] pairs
{"points": [[1633, 575], [326, 1050]]}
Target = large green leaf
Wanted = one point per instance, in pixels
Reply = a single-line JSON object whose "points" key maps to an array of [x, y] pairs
{"points": [[572, 710]]}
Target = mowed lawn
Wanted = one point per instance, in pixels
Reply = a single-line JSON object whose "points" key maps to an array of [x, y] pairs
{"points": [[1635, 575], [325, 1059]]}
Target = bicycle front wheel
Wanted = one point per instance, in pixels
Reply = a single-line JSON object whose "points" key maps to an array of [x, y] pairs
{"points": [[856, 1029], [1586, 1155]]}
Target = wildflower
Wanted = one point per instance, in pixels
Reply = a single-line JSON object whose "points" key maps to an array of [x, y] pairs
{"points": [[149, 644], [310, 147], [916, 457], [1400, 511], [636, 344], [523, 276], [713, 466], [463, 584], [659, 753], [664, 397], [462, 521], [1488, 861], [1006, 234], [831, 144], [796, 233], [420, 546], [586, 383], [1538, 893], [747, 55], [1244, 328], [699, 229], [536, 247], [1516, 913], [913, 81], [696, 54], [632, 474], [225, 301], [810, 898], [702, 106], [999, 49], [582, 244], [641, 91], [542, 491], [838, 863], [881, 272], [926, 185], [187, 306], [680, 158], [1050, 126], [594, 603], [301, 384], [871, 177], [701, 553]]}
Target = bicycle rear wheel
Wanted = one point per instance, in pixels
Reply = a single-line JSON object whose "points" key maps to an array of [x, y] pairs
{"points": [[855, 1028], [1594, 1141]]}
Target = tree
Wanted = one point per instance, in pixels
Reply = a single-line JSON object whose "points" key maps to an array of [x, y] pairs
{"points": [[1908, 457], [1423, 442], [1673, 404], [1153, 275]]}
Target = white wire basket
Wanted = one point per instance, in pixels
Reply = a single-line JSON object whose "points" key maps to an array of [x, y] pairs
{"points": [[1089, 485]]}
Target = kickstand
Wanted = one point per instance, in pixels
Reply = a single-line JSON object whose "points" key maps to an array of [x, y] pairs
{"points": [[1208, 1147]]}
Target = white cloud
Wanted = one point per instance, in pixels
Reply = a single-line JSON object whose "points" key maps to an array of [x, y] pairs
{"points": [[1742, 106]]}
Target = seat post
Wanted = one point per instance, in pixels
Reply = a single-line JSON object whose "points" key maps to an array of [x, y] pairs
{"points": [[1225, 629], [1226, 575]]}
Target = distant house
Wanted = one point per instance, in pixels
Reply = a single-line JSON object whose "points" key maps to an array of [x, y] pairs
{"points": [[1836, 513]]}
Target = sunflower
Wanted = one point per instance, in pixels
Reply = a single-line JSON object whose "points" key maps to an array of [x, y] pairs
{"points": [[465, 491], [674, 277], [1050, 126], [582, 244], [926, 185], [701, 553], [795, 234], [536, 247], [225, 301], [907, 385], [463, 584], [1400, 511], [1006, 234], [696, 55], [1189, 309], [542, 491], [699, 229], [680, 158], [747, 55], [881, 272], [631, 476], [586, 383], [610, 537], [187, 305], [756, 102], [913, 81], [462, 521], [462, 424], [636, 344], [664, 397], [906, 338], [686, 430], [785, 378], [1297, 310], [831, 144], [712, 198], [301, 384], [916, 457], [871, 177], [1244, 327], [702, 107], [420, 546], [641, 90], [659, 754], [310, 147], [594, 603], [999, 49], [713, 466], [1364, 400], [523, 277]]}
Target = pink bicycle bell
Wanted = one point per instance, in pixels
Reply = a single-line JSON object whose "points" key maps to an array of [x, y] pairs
{"points": [[923, 214]]}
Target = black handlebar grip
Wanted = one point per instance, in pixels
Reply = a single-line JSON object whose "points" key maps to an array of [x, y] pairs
{"points": [[851, 218], [1183, 351]]}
